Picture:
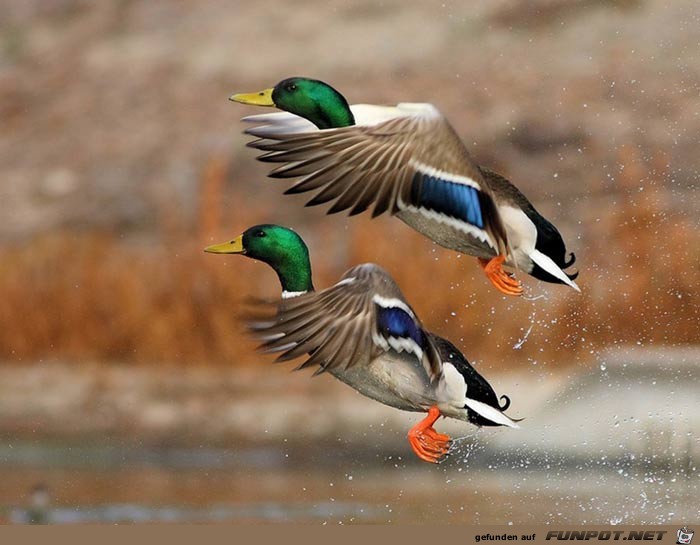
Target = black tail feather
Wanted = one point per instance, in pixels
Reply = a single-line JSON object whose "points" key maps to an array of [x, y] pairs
{"points": [[506, 403], [571, 261]]}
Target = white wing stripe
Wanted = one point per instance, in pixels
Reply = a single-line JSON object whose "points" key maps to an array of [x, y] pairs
{"points": [[391, 302], [398, 344], [442, 174]]}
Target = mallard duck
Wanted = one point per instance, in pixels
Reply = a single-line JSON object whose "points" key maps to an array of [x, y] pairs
{"points": [[407, 160], [363, 332]]}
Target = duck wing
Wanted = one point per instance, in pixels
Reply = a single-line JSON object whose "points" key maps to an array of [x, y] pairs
{"points": [[403, 158], [351, 323]]}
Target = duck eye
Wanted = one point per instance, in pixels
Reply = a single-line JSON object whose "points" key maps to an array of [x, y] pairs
{"points": [[259, 233], [291, 87]]}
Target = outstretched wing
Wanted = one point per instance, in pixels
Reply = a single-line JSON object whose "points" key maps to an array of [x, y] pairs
{"points": [[360, 318], [402, 158]]}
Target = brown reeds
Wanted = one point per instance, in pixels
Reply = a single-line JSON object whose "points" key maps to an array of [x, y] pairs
{"points": [[85, 296]]}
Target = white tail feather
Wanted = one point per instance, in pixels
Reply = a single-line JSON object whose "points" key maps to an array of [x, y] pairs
{"points": [[552, 268], [488, 412]]}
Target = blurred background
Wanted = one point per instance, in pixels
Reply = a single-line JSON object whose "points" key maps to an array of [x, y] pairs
{"points": [[128, 389]]}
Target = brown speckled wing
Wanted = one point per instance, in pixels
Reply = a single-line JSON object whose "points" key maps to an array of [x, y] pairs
{"points": [[383, 165], [337, 327]]}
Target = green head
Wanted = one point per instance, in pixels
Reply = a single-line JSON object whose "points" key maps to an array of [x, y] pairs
{"points": [[308, 98], [279, 247]]}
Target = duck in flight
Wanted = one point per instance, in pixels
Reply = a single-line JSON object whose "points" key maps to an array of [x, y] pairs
{"points": [[363, 332], [406, 160]]}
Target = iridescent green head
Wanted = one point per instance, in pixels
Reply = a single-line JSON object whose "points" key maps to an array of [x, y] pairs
{"points": [[279, 247], [308, 98]]}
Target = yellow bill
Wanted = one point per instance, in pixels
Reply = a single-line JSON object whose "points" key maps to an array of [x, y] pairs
{"points": [[235, 246], [261, 98]]}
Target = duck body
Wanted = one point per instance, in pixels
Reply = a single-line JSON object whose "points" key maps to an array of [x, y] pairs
{"points": [[394, 380], [406, 160], [536, 246], [363, 332]]}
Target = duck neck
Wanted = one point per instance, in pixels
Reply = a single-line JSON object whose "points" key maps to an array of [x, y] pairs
{"points": [[332, 115], [294, 274]]}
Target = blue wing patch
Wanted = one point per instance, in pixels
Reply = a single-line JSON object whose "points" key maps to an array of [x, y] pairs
{"points": [[458, 201], [397, 323]]}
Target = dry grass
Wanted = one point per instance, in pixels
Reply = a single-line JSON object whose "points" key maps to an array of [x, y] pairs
{"points": [[96, 297]]}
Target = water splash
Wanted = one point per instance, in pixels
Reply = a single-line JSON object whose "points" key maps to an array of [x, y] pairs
{"points": [[518, 345]]}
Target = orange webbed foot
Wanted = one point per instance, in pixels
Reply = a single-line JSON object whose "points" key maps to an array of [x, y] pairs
{"points": [[504, 281], [428, 444]]}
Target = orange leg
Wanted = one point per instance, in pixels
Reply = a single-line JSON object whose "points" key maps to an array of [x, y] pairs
{"points": [[501, 279], [428, 444]]}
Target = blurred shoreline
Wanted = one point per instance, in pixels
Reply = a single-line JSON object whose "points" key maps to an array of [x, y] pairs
{"points": [[177, 405], [643, 397]]}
